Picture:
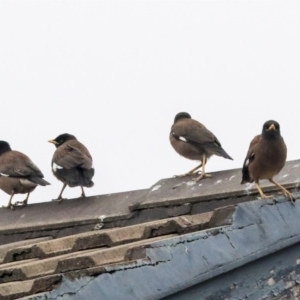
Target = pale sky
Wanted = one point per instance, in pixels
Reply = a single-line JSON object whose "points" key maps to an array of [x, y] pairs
{"points": [[115, 73]]}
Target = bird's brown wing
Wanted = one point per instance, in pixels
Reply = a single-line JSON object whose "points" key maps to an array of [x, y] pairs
{"points": [[251, 151], [15, 163], [249, 159], [193, 131], [72, 154]]}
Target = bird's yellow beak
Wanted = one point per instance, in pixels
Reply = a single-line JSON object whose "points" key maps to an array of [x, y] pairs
{"points": [[272, 127], [53, 142]]}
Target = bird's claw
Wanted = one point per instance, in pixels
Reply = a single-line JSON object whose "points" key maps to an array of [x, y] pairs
{"points": [[187, 174], [59, 200], [265, 196], [202, 176], [20, 203], [290, 196], [12, 206]]}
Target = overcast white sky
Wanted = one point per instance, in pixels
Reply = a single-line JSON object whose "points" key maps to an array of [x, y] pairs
{"points": [[115, 73]]}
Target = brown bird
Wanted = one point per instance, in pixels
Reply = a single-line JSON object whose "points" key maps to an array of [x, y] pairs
{"points": [[72, 163], [193, 140], [265, 158], [19, 175]]}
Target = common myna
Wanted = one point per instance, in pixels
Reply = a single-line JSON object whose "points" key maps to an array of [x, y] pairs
{"points": [[19, 175], [265, 158], [72, 163], [193, 140]]}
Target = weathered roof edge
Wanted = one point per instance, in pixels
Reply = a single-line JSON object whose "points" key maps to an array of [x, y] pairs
{"points": [[193, 258], [169, 197]]}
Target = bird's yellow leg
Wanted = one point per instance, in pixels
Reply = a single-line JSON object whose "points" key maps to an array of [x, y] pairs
{"points": [[10, 205], [203, 174], [190, 172], [284, 191], [263, 196], [24, 202], [60, 198], [82, 192]]}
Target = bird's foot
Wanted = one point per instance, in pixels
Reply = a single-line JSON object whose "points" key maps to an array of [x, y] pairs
{"points": [[21, 203], [82, 196], [185, 174], [202, 176], [290, 196], [59, 200], [11, 206], [263, 196]]}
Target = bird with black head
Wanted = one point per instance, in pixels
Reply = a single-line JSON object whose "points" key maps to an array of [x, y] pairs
{"points": [[194, 141], [72, 163], [18, 174], [265, 158]]}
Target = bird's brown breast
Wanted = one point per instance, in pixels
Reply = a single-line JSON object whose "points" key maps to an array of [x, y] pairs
{"points": [[269, 158], [9, 184]]}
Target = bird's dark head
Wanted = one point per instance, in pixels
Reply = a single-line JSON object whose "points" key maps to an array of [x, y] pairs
{"points": [[4, 147], [271, 129], [58, 141], [182, 115]]}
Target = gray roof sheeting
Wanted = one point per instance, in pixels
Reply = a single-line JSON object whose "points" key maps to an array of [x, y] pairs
{"points": [[176, 263], [144, 244]]}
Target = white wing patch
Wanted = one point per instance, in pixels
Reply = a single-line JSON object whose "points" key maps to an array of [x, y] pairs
{"points": [[27, 182], [180, 137], [55, 167], [2, 174], [248, 160], [183, 139]]}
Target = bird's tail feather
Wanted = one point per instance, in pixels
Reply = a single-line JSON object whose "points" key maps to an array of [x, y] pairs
{"points": [[76, 177], [38, 180], [246, 176], [86, 177], [221, 152]]}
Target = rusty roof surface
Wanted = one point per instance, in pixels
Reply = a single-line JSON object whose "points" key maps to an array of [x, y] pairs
{"points": [[82, 238]]}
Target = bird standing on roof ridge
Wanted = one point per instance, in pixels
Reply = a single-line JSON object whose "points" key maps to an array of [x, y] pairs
{"points": [[265, 158], [72, 163], [193, 140], [19, 175]]}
